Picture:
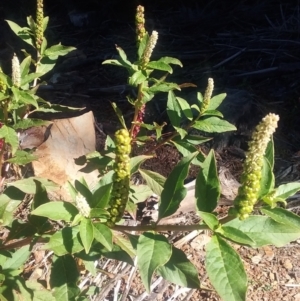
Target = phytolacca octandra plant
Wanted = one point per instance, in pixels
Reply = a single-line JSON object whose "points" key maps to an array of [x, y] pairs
{"points": [[252, 172]]}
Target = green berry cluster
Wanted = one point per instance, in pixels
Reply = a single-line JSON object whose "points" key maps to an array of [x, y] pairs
{"points": [[250, 181], [39, 24], [140, 23], [120, 189], [3, 85]]}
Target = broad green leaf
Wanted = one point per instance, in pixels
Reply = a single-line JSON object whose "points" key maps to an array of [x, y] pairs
{"points": [[9, 201], [174, 191], [24, 97], [186, 149], [286, 190], [265, 231], [39, 291], [101, 196], [25, 66], [154, 180], [174, 110], [31, 23], [10, 136], [214, 125], [225, 270], [65, 241], [22, 158], [125, 244], [142, 45], [83, 190], [137, 78], [99, 213], [208, 188], [58, 50], [28, 185], [282, 216], [103, 235], [170, 60], [86, 231], [216, 101], [118, 254], [30, 122], [185, 107], [5, 79], [193, 139], [26, 79], [139, 193], [270, 153], [135, 162], [46, 64], [209, 219], [131, 208], [45, 23], [267, 181], [72, 191], [64, 277], [163, 87], [57, 211], [159, 65], [213, 113], [23, 33], [153, 251], [235, 235], [119, 114], [17, 259], [123, 58], [180, 270]]}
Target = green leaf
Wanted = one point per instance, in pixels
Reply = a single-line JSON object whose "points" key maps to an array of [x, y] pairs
{"points": [[65, 241], [17, 259], [170, 60], [39, 291], [282, 216], [101, 196], [154, 180], [10, 136], [24, 97], [213, 113], [22, 158], [235, 235], [119, 114], [137, 78], [265, 231], [209, 219], [286, 190], [82, 188], [118, 254], [174, 190], [214, 125], [186, 149], [58, 50], [185, 107], [135, 162], [123, 58], [174, 110], [267, 181], [163, 87], [46, 64], [103, 235], [9, 201], [142, 45], [23, 33], [64, 277], [30, 122], [159, 65], [153, 251], [25, 66], [125, 244], [208, 188], [57, 211], [26, 79], [180, 270], [193, 139], [225, 270], [216, 101], [28, 185], [86, 231], [139, 193], [270, 152]]}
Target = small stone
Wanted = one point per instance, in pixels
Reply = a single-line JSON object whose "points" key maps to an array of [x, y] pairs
{"points": [[288, 264]]}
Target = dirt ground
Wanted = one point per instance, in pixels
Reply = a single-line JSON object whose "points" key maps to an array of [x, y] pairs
{"points": [[250, 48]]}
